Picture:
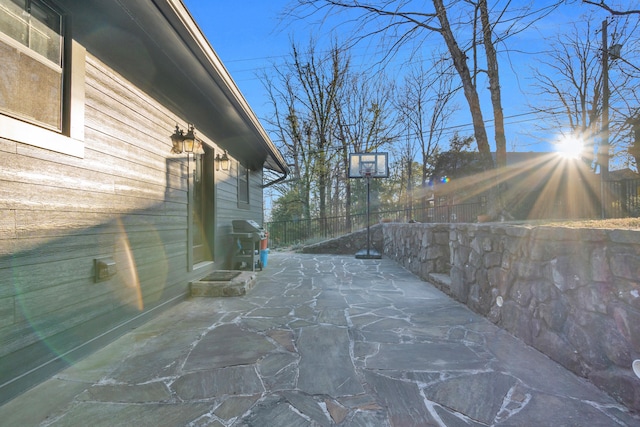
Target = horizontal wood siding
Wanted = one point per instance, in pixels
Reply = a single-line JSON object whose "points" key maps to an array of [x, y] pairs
{"points": [[227, 208], [127, 199]]}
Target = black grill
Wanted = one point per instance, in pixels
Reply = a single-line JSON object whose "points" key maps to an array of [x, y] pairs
{"points": [[247, 235]]}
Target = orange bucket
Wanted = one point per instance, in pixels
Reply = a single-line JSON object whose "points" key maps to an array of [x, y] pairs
{"points": [[264, 244]]}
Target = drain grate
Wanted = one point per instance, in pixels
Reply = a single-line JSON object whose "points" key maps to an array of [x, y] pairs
{"points": [[221, 276]]}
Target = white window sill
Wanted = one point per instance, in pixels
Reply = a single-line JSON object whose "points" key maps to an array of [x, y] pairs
{"points": [[27, 133]]}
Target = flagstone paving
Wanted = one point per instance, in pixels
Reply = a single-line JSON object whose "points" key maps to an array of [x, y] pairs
{"points": [[320, 341]]}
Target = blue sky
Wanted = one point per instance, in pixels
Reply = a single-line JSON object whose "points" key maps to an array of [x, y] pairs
{"points": [[250, 36]]}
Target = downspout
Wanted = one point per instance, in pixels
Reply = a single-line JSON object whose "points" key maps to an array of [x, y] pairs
{"points": [[284, 169], [275, 181]]}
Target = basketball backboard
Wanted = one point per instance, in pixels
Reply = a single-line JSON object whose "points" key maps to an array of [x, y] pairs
{"points": [[372, 165]]}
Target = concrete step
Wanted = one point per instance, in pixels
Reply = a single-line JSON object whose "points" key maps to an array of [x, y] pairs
{"points": [[223, 283]]}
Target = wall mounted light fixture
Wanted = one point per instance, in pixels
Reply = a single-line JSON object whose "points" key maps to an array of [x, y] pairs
{"points": [[222, 162], [184, 142]]}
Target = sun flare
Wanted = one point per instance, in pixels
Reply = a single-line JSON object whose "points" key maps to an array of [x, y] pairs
{"points": [[570, 147]]}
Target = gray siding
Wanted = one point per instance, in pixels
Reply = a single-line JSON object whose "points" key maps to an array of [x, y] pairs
{"points": [[227, 208], [126, 199]]}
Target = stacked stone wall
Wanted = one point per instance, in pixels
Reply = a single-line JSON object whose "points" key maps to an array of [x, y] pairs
{"points": [[349, 244], [422, 249], [574, 294]]}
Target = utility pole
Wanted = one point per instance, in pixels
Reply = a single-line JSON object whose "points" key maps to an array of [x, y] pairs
{"points": [[604, 144], [612, 52]]}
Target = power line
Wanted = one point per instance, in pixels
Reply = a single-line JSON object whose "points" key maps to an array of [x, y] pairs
{"points": [[450, 130]]}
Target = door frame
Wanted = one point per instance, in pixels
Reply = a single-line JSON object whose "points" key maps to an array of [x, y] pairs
{"points": [[201, 178]]}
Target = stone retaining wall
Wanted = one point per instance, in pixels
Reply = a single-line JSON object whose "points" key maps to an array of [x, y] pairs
{"points": [[349, 244], [574, 294]]}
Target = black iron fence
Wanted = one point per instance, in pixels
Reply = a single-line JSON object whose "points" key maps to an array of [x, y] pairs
{"points": [[285, 233], [619, 199]]}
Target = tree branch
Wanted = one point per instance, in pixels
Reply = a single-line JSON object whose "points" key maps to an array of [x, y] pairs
{"points": [[609, 9]]}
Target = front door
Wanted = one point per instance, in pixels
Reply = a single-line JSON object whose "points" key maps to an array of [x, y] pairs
{"points": [[202, 219]]}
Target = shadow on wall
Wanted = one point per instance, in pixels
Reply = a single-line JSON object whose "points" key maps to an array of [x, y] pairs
{"points": [[53, 305], [54, 309]]}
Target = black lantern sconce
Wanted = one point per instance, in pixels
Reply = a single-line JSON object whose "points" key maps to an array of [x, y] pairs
{"points": [[187, 143], [222, 162]]}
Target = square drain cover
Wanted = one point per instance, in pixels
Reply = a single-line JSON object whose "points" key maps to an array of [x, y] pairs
{"points": [[221, 276]]}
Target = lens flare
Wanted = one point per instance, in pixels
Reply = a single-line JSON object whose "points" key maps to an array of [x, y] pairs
{"points": [[570, 147]]}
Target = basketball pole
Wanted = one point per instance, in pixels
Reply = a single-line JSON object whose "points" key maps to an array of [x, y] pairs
{"points": [[368, 165], [368, 216], [369, 254]]}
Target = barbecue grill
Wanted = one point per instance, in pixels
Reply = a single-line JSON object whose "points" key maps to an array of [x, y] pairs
{"points": [[247, 235]]}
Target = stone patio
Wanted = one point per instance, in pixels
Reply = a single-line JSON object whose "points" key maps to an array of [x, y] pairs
{"points": [[319, 341]]}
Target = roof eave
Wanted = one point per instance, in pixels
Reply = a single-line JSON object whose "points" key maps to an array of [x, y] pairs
{"points": [[199, 43], [168, 56]]}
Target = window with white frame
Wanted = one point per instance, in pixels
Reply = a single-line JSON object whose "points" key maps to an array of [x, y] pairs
{"points": [[32, 48]]}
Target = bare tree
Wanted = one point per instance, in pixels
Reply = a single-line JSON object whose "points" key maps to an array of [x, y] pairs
{"points": [[320, 79], [494, 83], [292, 138], [302, 96], [614, 11], [424, 103], [400, 25], [625, 104], [363, 121], [634, 147], [323, 111], [569, 86]]}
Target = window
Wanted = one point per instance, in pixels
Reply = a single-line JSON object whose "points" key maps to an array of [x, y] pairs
{"points": [[31, 48], [243, 186]]}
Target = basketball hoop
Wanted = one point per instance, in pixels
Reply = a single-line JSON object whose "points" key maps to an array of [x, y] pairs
{"points": [[367, 169], [368, 165]]}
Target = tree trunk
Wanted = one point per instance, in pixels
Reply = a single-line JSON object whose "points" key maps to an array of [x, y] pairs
{"points": [[347, 185], [494, 86], [460, 63]]}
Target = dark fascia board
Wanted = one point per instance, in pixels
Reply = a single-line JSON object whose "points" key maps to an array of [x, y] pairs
{"points": [[157, 45]]}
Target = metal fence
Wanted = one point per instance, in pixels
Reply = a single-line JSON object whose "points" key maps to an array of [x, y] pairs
{"points": [[285, 233], [619, 199]]}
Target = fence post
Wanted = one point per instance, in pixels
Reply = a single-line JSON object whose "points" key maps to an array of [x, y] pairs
{"points": [[285, 234]]}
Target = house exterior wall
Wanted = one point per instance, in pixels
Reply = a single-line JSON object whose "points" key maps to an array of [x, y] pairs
{"points": [[126, 199], [228, 209]]}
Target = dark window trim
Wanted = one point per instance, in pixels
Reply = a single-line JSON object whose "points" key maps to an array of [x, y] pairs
{"points": [[243, 181]]}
